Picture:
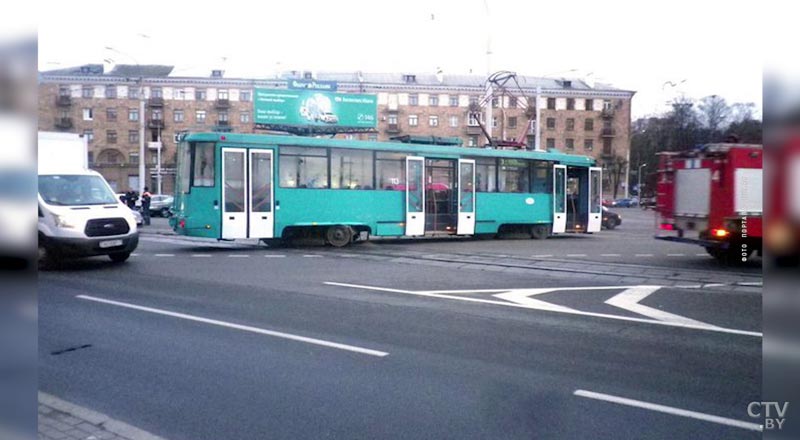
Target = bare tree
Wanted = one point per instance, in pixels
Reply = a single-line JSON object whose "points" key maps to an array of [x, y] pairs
{"points": [[714, 112], [742, 111]]}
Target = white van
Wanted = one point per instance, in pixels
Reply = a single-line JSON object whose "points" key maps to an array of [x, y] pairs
{"points": [[79, 214]]}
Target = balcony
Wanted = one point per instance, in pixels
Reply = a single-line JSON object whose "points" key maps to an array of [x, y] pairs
{"points": [[155, 123], [393, 128], [64, 123], [607, 113], [156, 102], [608, 132], [223, 127], [63, 101], [223, 103], [607, 153], [474, 129]]}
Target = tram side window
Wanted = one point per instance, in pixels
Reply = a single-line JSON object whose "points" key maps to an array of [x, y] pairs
{"points": [[486, 175], [514, 176], [304, 167], [203, 174], [390, 169], [542, 177], [351, 169], [184, 167]]}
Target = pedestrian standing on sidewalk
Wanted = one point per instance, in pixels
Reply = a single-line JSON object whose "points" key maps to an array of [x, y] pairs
{"points": [[146, 206]]}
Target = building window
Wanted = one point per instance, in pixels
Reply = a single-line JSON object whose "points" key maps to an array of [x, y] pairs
{"points": [[351, 169], [454, 121], [133, 136], [222, 116], [512, 102], [588, 144], [494, 102], [178, 116], [390, 170], [410, 79], [111, 136], [111, 92], [570, 144], [512, 122], [474, 100], [200, 95], [303, 167], [63, 91], [157, 114], [485, 175], [570, 124], [413, 120], [551, 143], [413, 99], [133, 114], [551, 103], [88, 92], [111, 114], [433, 101], [570, 103], [109, 157], [133, 158], [156, 92], [63, 113], [454, 101], [133, 92], [222, 94], [473, 120], [494, 121], [89, 135], [88, 114], [607, 148], [200, 116], [588, 124], [589, 104], [244, 96], [551, 123], [244, 117], [606, 104], [513, 176], [433, 121], [91, 157], [179, 94], [392, 120], [472, 141]]}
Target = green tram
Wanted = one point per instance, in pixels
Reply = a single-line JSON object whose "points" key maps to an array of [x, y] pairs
{"points": [[236, 186]]}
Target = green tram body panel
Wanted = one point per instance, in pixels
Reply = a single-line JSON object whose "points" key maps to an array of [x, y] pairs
{"points": [[382, 211]]}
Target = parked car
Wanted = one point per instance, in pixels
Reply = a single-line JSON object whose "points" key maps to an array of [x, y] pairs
{"points": [[608, 202], [626, 203], [611, 219], [648, 203], [161, 204], [138, 216]]}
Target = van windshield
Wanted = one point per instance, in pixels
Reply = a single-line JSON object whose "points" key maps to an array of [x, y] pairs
{"points": [[72, 190]]}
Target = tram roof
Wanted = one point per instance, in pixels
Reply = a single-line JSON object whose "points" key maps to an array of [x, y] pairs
{"points": [[443, 151]]}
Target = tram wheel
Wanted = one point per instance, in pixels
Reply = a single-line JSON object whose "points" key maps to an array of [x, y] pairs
{"points": [[540, 232], [339, 236]]}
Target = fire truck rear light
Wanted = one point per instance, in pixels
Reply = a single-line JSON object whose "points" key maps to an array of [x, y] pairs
{"points": [[720, 233], [667, 226]]}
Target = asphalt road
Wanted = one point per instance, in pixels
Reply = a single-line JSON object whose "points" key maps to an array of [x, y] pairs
{"points": [[199, 341]]}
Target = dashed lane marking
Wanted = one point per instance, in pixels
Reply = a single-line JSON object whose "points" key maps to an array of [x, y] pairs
{"points": [[312, 256], [576, 255], [274, 256], [610, 255], [676, 255], [246, 328], [643, 255], [669, 410], [201, 256], [165, 255], [542, 256], [238, 256]]}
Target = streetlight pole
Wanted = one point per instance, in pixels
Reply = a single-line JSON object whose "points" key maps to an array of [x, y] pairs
{"points": [[639, 187]]}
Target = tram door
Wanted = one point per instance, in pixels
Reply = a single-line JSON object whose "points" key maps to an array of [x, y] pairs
{"points": [[415, 195], [559, 198], [595, 199], [247, 193], [466, 197], [234, 202]]}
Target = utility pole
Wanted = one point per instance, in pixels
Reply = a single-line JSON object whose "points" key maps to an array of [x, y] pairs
{"points": [[489, 91], [538, 140], [141, 136]]}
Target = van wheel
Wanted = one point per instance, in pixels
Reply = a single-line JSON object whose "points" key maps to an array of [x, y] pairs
{"points": [[611, 224], [540, 232], [45, 257], [119, 257], [339, 236]]}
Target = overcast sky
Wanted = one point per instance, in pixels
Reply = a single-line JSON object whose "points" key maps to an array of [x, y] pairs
{"points": [[637, 46]]}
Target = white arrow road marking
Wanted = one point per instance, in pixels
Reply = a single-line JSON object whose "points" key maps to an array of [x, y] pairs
{"points": [[629, 300], [523, 296], [549, 307], [668, 410]]}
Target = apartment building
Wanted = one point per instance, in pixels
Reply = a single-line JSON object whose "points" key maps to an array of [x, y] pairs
{"points": [[120, 109]]}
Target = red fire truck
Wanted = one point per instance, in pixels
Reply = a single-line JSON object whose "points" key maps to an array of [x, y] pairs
{"points": [[712, 197]]}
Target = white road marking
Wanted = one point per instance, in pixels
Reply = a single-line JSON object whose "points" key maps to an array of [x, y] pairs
{"points": [[669, 410], [246, 328], [523, 296], [629, 300], [542, 256], [576, 255], [644, 255], [201, 255], [610, 255], [312, 256], [238, 256], [165, 255], [439, 294], [274, 256], [676, 255], [135, 254], [702, 255], [714, 285], [757, 283]]}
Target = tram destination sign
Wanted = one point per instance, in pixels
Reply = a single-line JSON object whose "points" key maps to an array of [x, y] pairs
{"points": [[314, 108]]}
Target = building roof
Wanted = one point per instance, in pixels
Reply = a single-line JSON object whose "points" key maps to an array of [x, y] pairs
{"points": [[146, 70]]}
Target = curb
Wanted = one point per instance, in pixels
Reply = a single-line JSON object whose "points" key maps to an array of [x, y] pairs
{"points": [[114, 426]]}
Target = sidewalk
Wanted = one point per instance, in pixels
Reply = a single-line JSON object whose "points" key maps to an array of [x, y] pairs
{"points": [[61, 420], [157, 226]]}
